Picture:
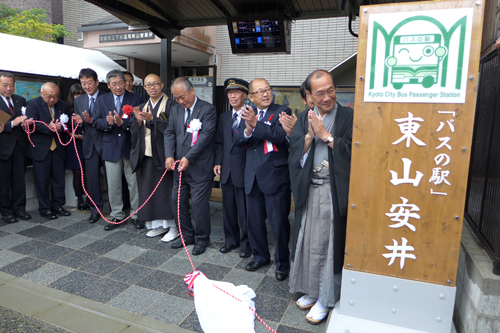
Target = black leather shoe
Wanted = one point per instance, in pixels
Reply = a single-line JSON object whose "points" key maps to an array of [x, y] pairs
{"points": [[61, 212], [227, 248], [178, 244], [94, 218], [198, 249], [9, 219], [113, 226], [246, 252], [280, 276], [49, 215], [82, 206], [253, 266], [138, 224], [22, 215]]}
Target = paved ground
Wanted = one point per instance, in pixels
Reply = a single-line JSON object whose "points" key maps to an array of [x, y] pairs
{"points": [[124, 278]]}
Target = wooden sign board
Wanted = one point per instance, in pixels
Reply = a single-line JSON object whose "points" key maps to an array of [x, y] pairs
{"points": [[417, 76]]}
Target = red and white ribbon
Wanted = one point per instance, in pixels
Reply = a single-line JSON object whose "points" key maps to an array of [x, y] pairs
{"points": [[194, 127], [269, 147]]}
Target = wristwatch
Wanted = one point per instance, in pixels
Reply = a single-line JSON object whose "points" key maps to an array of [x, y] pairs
{"points": [[329, 140]]}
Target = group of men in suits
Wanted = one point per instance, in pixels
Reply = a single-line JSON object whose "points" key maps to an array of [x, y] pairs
{"points": [[248, 148]]}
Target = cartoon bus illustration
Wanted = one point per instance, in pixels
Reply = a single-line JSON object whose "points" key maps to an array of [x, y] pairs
{"points": [[415, 59]]}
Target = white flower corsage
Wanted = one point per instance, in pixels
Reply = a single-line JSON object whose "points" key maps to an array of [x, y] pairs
{"points": [[194, 127], [23, 110], [64, 120]]}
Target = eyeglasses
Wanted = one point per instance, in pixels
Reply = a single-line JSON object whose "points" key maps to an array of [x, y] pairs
{"points": [[321, 94], [262, 92], [56, 96], [152, 84]]}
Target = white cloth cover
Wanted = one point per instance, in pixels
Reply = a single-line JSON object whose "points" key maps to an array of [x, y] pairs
{"points": [[218, 312]]}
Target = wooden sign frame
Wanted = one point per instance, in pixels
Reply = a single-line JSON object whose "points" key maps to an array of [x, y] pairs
{"points": [[380, 212]]}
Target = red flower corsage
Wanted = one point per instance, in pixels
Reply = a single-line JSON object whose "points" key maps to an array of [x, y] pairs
{"points": [[127, 111]]}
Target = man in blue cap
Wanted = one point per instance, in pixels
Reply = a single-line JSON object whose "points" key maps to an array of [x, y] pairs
{"points": [[230, 167]]}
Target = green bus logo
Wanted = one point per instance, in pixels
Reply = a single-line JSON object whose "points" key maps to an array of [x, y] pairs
{"points": [[415, 59]]}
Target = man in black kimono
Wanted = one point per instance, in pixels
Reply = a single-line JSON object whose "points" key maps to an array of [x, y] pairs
{"points": [[320, 163], [147, 128]]}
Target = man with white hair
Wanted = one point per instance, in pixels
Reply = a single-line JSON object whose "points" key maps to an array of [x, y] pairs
{"points": [[48, 154]]}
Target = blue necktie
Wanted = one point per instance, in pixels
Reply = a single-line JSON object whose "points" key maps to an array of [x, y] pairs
{"points": [[261, 115], [91, 108], [235, 123], [118, 104]]}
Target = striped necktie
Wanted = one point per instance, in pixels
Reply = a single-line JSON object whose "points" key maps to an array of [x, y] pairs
{"points": [[234, 127], [261, 115], [11, 107]]}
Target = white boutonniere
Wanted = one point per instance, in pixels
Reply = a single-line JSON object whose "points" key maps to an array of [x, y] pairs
{"points": [[63, 118], [267, 123], [23, 110], [194, 127]]}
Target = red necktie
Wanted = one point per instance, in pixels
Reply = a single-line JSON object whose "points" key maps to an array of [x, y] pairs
{"points": [[11, 107]]}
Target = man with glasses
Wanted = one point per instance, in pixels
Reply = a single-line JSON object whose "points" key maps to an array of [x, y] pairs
{"points": [[116, 144], [189, 138], [267, 182], [13, 152], [48, 154], [320, 163], [147, 128], [230, 167]]}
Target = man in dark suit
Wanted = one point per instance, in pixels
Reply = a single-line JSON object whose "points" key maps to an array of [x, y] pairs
{"points": [[116, 143], [267, 181], [92, 138], [230, 167], [190, 138], [48, 154], [13, 153]]}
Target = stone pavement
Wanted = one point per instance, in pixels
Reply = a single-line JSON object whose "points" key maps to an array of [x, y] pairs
{"points": [[75, 275]]}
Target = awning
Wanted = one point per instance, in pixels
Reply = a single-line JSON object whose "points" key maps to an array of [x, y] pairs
{"points": [[34, 56]]}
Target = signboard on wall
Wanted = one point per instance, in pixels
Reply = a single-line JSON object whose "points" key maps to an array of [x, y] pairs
{"points": [[203, 87], [28, 89]]}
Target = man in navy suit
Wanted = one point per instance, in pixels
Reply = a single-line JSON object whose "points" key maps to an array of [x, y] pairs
{"points": [[190, 138], [13, 153], [48, 154], [92, 138], [230, 168], [116, 144], [267, 180]]}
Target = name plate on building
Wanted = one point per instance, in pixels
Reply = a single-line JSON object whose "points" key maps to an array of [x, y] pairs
{"points": [[121, 37]]}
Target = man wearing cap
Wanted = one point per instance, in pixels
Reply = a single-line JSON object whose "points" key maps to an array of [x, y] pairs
{"points": [[230, 167]]}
